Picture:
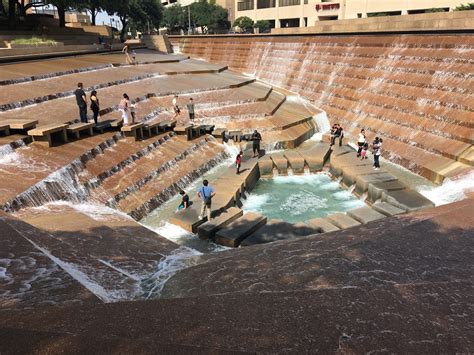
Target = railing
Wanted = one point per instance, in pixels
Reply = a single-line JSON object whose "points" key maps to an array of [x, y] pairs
{"points": [[245, 5], [289, 2]]}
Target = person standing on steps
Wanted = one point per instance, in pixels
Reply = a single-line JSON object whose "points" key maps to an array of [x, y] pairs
{"points": [[95, 106], [361, 142], [124, 107], [238, 161], [81, 100], [206, 193], [377, 149], [340, 134], [256, 138], [126, 51], [176, 109], [190, 107]]}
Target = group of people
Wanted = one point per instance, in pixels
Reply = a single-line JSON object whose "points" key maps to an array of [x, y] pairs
{"points": [[206, 194], [363, 147], [336, 132], [81, 99], [189, 106]]}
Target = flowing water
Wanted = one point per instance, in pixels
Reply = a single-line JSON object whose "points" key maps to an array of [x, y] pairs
{"points": [[300, 198]]}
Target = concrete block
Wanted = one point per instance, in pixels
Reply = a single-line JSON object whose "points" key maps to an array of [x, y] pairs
{"points": [[322, 224], [336, 150], [188, 219], [265, 165], [387, 209], [342, 220], [365, 214], [276, 230], [209, 229], [337, 163], [316, 156], [280, 162], [250, 173], [408, 200], [295, 160], [237, 231], [377, 188], [350, 173], [363, 181]]}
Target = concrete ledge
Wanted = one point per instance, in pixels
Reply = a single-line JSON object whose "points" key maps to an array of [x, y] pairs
{"points": [[280, 162], [365, 214], [323, 225], [237, 231], [342, 220], [209, 229], [265, 165], [316, 156], [276, 230], [377, 188], [363, 181], [408, 200], [387, 209]]}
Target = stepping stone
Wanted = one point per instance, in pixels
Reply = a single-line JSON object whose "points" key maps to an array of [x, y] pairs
{"points": [[265, 165], [322, 224], [209, 229], [363, 181], [316, 156], [188, 219], [377, 188], [408, 200], [339, 162], [342, 220], [280, 162], [336, 150], [295, 160], [365, 214], [276, 230], [350, 173], [237, 231], [387, 209]]}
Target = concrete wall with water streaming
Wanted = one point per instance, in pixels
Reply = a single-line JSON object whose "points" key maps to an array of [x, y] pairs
{"points": [[415, 91]]}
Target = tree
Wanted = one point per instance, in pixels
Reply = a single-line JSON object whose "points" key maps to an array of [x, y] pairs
{"points": [[208, 15], [62, 6], [174, 17], [244, 23], [93, 7], [469, 6], [262, 25]]}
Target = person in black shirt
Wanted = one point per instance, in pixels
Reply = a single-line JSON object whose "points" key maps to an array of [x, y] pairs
{"points": [[184, 200], [95, 105], [256, 138], [340, 134], [81, 100]]}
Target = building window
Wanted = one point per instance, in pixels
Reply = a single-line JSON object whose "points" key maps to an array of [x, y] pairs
{"points": [[245, 5], [305, 1], [289, 2], [290, 22], [387, 13], [265, 4]]}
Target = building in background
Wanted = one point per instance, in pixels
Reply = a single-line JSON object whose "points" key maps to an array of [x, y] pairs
{"points": [[305, 13]]}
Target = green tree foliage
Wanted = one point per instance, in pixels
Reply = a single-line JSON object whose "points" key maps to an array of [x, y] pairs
{"points": [[93, 7], [244, 23], [208, 16], [469, 6], [262, 25], [175, 17]]}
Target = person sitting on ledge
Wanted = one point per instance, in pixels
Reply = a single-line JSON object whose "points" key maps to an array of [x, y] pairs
{"points": [[184, 200]]}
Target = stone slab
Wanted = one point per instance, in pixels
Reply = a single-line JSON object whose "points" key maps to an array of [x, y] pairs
{"points": [[209, 229], [22, 124], [350, 173], [280, 162], [250, 173], [408, 200], [336, 150], [316, 156], [377, 188], [295, 160], [365, 214], [339, 162], [387, 209], [323, 225], [342, 220], [188, 219], [363, 181], [265, 165], [237, 231], [276, 230]]}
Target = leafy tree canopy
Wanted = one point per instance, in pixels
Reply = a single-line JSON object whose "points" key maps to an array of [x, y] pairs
{"points": [[262, 25], [174, 17], [244, 23], [469, 6], [208, 15]]}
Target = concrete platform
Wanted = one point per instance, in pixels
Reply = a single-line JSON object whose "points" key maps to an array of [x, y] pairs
{"points": [[265, 165], [337, 163], [377, 188], [276, 230], [209, 229], [342, 220], [336, 150], [408, 200], [280, 162], [316, 156], [387, 209], [363, 181], [323, 225], [365, 214], [350, 173], [295, 160], [188, 219], [237, 231]]}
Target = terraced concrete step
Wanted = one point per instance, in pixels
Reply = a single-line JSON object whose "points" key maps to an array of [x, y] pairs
{"points": [[295, 160], [363, 181], [376, 189], [407, 200], [276, 230], [316, 156], [342, 220], [265, 165], [237, 231], [337, 163], [210, 228], [365, 214], [351, 173], [387, 209], [280, 162], [323, 225]]}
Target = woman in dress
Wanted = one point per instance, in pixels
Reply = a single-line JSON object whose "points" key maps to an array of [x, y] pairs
{"points": [[95, 105]]}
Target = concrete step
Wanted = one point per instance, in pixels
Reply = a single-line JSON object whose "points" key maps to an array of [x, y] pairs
{"points": [[280, 162], [407, 200], [387, 209], [337, 163], [376, 189], [323, 225], [316, 156], [276, 230], [295, 160], [342, 220], [265, 165], [363, 181], [237, 231], [210, 228], [365, 214]]}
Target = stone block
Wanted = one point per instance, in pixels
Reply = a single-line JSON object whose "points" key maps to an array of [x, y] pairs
{"points": [[250, 173], [276, 230], [387, 209], [363, 181], [209, 229], [342, 220], [188, 219], [338, 163], [237, 231], [377, 188], [336, 150], [295, 160], [265, 166], [365, 214], [408, 200], [322, 224], [316, 156], [350, 173], [280, 162]]}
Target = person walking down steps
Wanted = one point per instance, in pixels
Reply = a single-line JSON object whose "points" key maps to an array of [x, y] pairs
{"points": [[176, 109], [377, 149], [190, 107], [206, 193], [124, 107], [238, 161], [81, 100]]}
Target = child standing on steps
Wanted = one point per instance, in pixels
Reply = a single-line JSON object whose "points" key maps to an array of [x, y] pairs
{"points": [[238, 161], [363, 151]]}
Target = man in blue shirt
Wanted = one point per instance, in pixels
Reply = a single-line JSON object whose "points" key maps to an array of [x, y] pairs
{"points": [[206, 193]]}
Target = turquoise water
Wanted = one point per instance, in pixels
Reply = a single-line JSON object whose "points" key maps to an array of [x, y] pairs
{"points": [[299, 198]]}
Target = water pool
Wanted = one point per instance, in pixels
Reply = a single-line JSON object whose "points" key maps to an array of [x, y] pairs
{"points": [[299, 198]]}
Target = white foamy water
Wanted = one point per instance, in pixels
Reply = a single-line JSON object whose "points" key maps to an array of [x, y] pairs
{"points": [[256, 202], [450, 190]]}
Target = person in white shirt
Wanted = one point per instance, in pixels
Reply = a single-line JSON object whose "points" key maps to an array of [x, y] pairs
{"points": [[124, 107], [361, 141], [176, 109]]}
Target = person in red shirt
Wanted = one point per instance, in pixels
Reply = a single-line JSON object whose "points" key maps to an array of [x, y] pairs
{"points": [[238, 161]]}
